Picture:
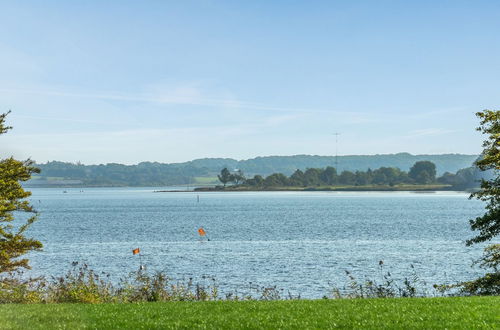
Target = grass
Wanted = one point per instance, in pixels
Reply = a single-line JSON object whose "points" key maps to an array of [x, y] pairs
{"points": [[206, 180], [395, 313]]}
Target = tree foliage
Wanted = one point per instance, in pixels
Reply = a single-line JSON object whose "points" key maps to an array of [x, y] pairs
{"points": [[423, 172], [13, 242], [147, 174], [225, 176], [238, 177], [466, 178], [488, 225]]}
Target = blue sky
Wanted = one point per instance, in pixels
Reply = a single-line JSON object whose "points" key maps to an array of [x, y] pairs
{"points": [[170, 81]]}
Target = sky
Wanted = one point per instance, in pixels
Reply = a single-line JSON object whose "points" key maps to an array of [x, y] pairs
{"points": [[171, 81]]}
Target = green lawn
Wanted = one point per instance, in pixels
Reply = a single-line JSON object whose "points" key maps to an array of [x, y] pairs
{"points": [[397, 313], [206, 180]]}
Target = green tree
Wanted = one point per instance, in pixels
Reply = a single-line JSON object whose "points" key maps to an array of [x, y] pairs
{"points": [[362, 178], [297, 178], [379, 177], [238, 177], [256, 181], [311, 177], [393, 174], [329, 176], [13, 242], [423, 172], [225, 176], [347, 178], [276, 180], [488, 225]]}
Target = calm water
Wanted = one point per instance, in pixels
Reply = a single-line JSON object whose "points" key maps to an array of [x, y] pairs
{"points": [[300, 241]]}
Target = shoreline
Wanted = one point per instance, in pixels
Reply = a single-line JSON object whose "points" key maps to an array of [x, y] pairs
{"points": [[407, 188]]}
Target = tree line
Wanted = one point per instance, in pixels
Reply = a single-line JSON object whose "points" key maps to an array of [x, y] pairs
{"points": [[160, 174], [142, 174], [422, 172], [157, 174], [288, 164]]}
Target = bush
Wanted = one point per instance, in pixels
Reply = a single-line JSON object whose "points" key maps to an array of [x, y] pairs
{"points": [[386, 287], [17, 291]]}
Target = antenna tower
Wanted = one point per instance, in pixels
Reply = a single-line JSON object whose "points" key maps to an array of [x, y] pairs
{"points": [[336, 151]]}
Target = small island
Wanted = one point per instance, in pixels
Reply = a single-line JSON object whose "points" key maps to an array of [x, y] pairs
{"points": [[420, 177]]}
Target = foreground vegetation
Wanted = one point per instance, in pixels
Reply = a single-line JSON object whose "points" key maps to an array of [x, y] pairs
{"points": [[400, 313]]}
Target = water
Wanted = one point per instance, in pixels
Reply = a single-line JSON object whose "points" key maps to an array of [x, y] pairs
{"points": [[300, 241]]}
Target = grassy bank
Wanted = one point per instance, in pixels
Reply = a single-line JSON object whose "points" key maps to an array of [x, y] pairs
{"points": [[407, 313], [401, 187]]}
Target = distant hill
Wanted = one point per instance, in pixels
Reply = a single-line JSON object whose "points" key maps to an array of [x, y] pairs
{"points": [[288, 164], [159, 174]]}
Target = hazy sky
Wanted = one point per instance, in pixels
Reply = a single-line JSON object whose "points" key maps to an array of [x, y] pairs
{"points": [[131, 81]]}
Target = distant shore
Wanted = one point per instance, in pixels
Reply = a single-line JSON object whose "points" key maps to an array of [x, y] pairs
{"points": [[422, 188]]}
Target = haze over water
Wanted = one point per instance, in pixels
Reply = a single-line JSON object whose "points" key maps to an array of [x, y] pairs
{"points": [[299, 241]]}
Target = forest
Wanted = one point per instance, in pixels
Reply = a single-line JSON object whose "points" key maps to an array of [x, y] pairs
{"points": [[421, 173]]}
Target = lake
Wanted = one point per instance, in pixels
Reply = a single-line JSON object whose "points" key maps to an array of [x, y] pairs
{"points": [[300, 241]]}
